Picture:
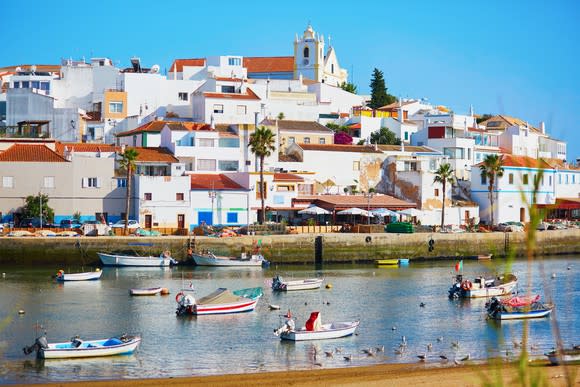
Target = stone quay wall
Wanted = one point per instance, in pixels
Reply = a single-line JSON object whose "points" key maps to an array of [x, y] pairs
{"points": [[292, 249]]}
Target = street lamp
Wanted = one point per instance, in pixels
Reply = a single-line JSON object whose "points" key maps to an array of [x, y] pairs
{"points": [[251, 189], [369, 195], [212, 195]]}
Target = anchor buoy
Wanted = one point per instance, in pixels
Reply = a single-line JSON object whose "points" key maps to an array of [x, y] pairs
{"points": [[178, 296], [466, 285], [368, 239]]}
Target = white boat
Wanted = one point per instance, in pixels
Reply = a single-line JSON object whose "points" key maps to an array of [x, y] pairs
{"points": [[567, 356], [278, 283], [210, 259], [110, 259], [222, 301], [481, 286], [145, 291], [76, 347], [88, 276], [517, 308], [315, 330]]}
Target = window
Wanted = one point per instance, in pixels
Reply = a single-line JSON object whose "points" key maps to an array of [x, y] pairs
{"points": [[45, 86], [232, 217], [410, 166], [179, 196], [306, 52], [121, 183], [35, 84], [241, 109], [91, 182], [228, 165], [525, 179], [291, 140], [258, 190], [115, 107], [573, 179], [356, 165], [16, 85], [322, 140], [406, 136], [307, 140], [25, 84], [483, 179], [234, 61], [182, 96], [207, 142], [511, 178], [8, 181], [218, 108], [48, 182], [550, 181], [228, 89], [148, 196], [206, 165], [559, 179], [436, 192], [285, 188], [567, 178]]}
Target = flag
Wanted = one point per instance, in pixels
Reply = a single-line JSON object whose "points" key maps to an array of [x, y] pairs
{"points": [[459, 266]]}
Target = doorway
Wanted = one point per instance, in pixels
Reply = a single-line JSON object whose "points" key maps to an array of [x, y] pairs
{"points": [[522, 214], [148, 221], [180, 221]]}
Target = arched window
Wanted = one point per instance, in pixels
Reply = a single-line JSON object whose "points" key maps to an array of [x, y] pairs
{"points": [[306, 52]]}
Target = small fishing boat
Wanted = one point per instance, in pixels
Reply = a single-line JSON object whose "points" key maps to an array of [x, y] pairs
{"points": [[207, 258], [481, 286], [566, 356], [145, 291], [392, 262], [517, 308], [315, 330], [83, 348], [222, 301], [112, 259], [87, 276], [279, 284]]}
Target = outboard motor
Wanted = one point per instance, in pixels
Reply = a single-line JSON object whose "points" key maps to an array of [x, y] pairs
{"points": [[39, 343], [277, 283]]}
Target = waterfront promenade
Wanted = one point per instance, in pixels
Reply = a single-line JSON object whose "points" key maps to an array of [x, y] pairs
{"points": [[295, 249]]}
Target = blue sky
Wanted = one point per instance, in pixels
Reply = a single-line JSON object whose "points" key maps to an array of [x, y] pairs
{"points": [[518, 58]]}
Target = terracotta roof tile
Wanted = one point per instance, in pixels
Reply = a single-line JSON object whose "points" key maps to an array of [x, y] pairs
{"points": [[269, 64], [287, 177], [504, 122], [85, 147], [395, 105], [180, 63], [297, 125], [203, 181], [340, 202], [408, 148], [249, 95], [31, 153], [154, 155], [509, 160], [151, 126], [339, 148], [39, 68]]}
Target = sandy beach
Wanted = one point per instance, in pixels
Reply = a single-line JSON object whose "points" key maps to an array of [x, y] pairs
{"points": [[378, 375]]}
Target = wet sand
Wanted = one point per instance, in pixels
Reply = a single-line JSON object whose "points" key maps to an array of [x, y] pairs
{"points": [[379, 375]]}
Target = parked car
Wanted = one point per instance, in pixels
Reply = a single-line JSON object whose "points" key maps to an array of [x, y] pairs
{"points": [[510, 227], [31, 222], [69, 223], [133, 224]]}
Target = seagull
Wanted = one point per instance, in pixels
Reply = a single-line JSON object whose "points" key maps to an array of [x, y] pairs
{"points": [[368, 351], [394, 328], [348, 357], [465, 358], [399, 351], [381, 348], [422, 305], [329, 353], [440, 339], [455, 344], [422, 357], [338, 350], [534, 347], [429, 347], [443, 357], [517, 344], [403, 340], [457, 362]]}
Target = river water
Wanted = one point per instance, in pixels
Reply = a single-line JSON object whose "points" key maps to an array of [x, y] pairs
{"points": [[381, 298]]}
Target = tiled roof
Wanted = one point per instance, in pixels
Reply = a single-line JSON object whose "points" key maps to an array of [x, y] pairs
{"points": [[39, 68], [249, 95], [188, 126], [297, 125], [154, 155], [339, 148], [361, 201], [150, 127], [509, 160], [269, 64], [85, 147], [395, 105], [287, 177], [226, 79], [219, 182], [180, 63], [31, 153], [408, 148], [504, 122]]}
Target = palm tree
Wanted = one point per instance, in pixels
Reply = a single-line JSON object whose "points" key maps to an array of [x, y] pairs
{"points": [[262, 144], [491, 169], [444, 174], [127, 162]]}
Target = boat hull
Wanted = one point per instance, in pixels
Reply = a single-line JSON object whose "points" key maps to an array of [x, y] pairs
{"points": [[92, 348], [203, 260], [145, 292], [238, 307], [523, 315], [568, 357], [387, 262], [501, 290], [327, 331], [89, 276], [306, 284], [127, 260]]}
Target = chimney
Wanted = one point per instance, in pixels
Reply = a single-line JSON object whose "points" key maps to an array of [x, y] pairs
{"points": [[542, 127]]}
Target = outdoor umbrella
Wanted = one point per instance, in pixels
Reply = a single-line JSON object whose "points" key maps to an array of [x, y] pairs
{"points": [[411, 212], [384, 212], [314, 210], [354, 211]]}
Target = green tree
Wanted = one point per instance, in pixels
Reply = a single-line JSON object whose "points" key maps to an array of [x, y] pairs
{"points": [[491, 170], [385, 137], [483, 117], [379, 95], [281, 116], [127, 163], [34, 204], [443, 175], [347, 86], [262, 144]]}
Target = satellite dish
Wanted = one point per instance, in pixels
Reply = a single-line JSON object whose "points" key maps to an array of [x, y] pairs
{"points": [[18, 69], [155, 69], [33, 68]]}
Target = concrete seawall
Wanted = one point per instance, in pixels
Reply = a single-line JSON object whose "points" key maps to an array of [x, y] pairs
{"points": [[300, 248]]}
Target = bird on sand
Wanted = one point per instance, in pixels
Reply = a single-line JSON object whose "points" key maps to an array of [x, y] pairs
{"points": [[422, 305], [465, 358], [455, 344], [422, 357], [429, 347], [394, 328], [329, 353], [399, 351], [348, 357], [440, 339], [380, 348], [443, 357], [338, 350]]}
